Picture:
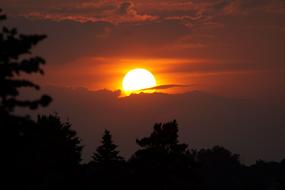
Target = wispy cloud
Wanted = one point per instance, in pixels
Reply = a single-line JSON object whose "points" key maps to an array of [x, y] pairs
{"points": [[192, 13], [124, 12], [165, 86]]}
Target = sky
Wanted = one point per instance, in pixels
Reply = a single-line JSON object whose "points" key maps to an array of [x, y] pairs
{"points": [[224, 48], [227, 47]]}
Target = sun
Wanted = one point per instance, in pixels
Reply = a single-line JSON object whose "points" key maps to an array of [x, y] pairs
{"points": [[137, 80]]}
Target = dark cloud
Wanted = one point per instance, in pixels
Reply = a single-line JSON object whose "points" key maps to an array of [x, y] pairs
{"points": [[192, 13], [80, 11], [127, 8], [69, 40]]}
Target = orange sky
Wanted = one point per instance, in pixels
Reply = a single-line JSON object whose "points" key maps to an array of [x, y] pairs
{"points": [[233, 47]]}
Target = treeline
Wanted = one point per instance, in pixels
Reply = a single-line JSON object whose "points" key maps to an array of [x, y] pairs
{"points": [[45, 154]]}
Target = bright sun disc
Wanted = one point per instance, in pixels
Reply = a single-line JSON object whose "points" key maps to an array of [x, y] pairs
{"points": [[138, 79]]}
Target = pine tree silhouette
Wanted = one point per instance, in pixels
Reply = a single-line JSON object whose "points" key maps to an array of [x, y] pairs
{"points": [[107, 168], [107, 153], [15, 60], [58, 141], [54, 151]]}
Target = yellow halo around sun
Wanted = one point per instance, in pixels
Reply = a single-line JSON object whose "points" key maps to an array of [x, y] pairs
{"points": [[138, 79]]}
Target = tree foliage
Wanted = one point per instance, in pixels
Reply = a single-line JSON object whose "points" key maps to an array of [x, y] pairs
{"points": [[106, 153], [162, 144], [16, 60], [107, 168], [58, 141], [163, 161], [164, 137], [34, 155], [49, 153]]}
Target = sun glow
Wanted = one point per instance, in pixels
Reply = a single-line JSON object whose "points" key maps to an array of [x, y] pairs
{"points": [[137, 80]]}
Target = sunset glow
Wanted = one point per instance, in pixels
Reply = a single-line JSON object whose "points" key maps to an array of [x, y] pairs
{"points": [[138, 79], [214, 69]]}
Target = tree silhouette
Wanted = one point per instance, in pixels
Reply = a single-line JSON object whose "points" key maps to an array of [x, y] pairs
{"points": [[59, 142], [163, 162], [219, 168], [54, 151], [107, 153], [107, 168], [48, 156], [164, 137], [162, 143], [265, 175], [36, 155], [217, 157], [15, 60]]}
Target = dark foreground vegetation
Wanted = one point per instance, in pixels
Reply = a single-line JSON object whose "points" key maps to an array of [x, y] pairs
{"points": [[45, 153]]}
